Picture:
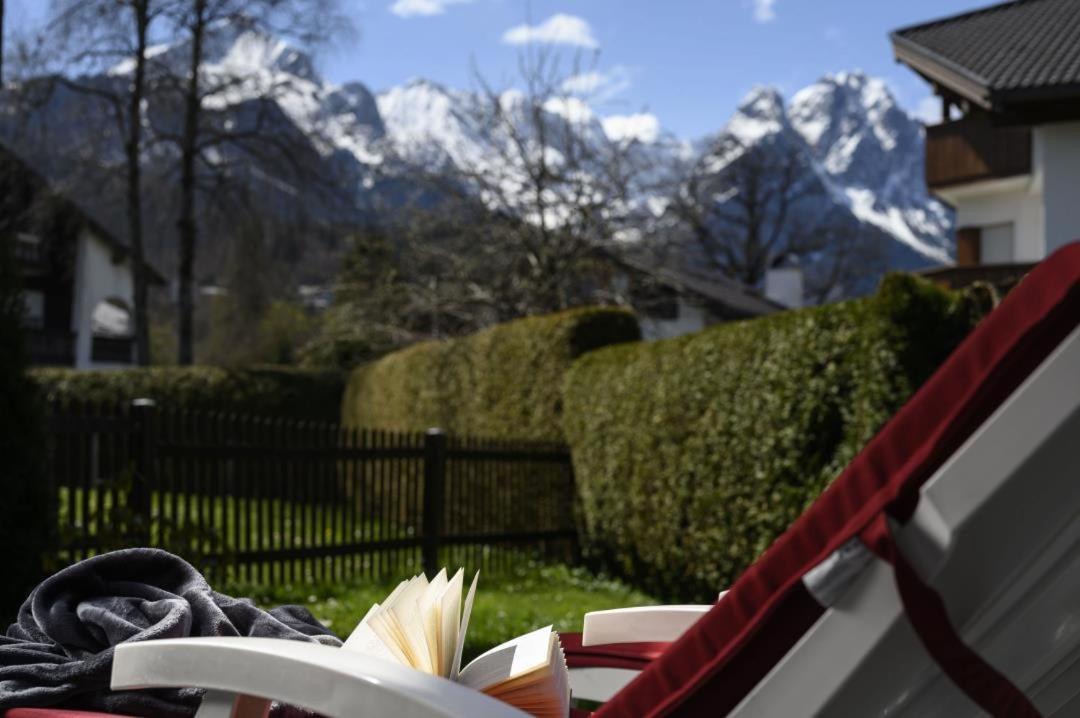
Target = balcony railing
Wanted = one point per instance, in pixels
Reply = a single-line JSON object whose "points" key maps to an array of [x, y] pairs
{"points": [[971, 150], [51, 347]]}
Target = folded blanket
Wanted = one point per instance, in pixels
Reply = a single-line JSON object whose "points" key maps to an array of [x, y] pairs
{"points": [[60, 650]]}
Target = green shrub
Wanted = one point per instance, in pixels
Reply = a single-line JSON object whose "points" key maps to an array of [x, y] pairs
{"points": [[503, 382], [23, 531], [693, 454], [250, 390]]}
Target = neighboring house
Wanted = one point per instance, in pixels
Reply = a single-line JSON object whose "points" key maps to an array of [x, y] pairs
{"points": [[1007, 155], [76, 276], [671, 301]]}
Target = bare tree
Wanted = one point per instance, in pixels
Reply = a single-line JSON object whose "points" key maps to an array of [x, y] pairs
{"points": [[200, 140], [746, 208], [2, 18], [97, 34], [544, 187], [738, 203]]}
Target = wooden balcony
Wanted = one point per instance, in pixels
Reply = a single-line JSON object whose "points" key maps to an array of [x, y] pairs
{"points": [[972, 150]]}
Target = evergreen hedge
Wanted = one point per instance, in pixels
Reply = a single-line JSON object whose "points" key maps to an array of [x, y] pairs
{"points": [[693, 454], [300, 393], [23, 531], [503, 382]]}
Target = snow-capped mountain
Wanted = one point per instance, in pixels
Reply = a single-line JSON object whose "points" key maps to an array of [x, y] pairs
{"points": [[863, 153], [871, 153], [861, 146]]}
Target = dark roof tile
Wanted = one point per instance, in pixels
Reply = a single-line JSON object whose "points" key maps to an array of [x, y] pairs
{"points": [[1022, 45]]}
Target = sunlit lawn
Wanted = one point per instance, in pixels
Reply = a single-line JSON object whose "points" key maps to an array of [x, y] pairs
{"points": [[507, 605]]}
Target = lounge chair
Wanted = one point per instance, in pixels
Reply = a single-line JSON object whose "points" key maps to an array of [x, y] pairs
{"points": [[937, 576]]}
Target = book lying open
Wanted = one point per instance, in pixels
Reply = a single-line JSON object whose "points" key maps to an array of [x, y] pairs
{"points": [[422, 624]]}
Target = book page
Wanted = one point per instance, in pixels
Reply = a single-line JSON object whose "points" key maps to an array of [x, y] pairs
{"points": [[509, 660], [429, 606], [383, 628], [466, 611], [450, 621], [405, 620], [528, 673], [364, 640]]}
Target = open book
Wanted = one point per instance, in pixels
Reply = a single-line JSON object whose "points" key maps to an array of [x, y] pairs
{"points": [[422, 624]]}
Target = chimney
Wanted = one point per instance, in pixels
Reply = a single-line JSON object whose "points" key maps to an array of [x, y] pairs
{"points": [[784, 283]]}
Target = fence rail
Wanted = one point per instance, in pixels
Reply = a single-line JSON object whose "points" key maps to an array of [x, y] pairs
{"points": [[260, 499]]}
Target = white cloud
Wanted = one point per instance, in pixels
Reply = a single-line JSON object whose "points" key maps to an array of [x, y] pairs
{"points": [[570, 108], [764, 10], [643, 127], [584, 83], [423, 8], [560, 29], [598, 87], [929, 110]]}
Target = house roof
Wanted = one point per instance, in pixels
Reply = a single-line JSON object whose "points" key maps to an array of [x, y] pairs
{"points": [[1000, 56], [711, 287], [38, 186]]}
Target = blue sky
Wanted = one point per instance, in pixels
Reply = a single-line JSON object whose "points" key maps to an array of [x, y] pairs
{"points": [[688, 62]]}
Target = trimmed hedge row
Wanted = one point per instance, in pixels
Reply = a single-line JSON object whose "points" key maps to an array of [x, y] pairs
{"points": [[693, 454], [23, 533], [270, 390], [503, 382]]}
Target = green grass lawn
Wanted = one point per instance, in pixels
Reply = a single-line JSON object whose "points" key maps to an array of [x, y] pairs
{"points": [[506, 606]]}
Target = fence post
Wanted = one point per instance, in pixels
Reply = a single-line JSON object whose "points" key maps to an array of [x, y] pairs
{"points": [[142, 452], [434, 494]]}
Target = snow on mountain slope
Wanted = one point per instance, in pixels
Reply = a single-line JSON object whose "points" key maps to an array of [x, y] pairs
{"points": [[866, 152], [864, 149], [429, 124], [871, 152]]}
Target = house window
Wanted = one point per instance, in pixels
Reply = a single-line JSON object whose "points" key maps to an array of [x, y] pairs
{"points": [[997, 244], [28, 247], [33, 309]]}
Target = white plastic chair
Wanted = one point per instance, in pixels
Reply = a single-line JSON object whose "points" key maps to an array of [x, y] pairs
{"points": [[242, 675]]}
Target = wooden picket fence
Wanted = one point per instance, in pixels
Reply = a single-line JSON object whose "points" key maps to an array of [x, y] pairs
{"points": [[264, 499]]}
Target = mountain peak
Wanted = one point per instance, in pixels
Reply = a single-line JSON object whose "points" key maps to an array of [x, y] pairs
{"points": [[763, 101], [235, 47], [760, 114], [251, 50], [421, 84]]}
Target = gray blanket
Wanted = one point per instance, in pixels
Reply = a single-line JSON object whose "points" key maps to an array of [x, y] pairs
{"points": [[59, 652]]}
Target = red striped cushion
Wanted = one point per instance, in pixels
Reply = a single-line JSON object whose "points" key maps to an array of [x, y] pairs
{"points": [[54, 713], [634, 656]]}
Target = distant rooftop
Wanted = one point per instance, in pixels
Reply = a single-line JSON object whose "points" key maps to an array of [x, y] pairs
{"points": [[738, 299], [21, 187], [1001, 57]]}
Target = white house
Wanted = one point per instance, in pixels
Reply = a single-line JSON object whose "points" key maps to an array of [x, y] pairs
{"points": [[671, 301], [77, 277], [1007, 155]]}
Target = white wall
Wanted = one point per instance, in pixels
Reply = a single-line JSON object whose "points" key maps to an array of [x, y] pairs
{"points": [[690, 319], [97, 278], [1016, 201], [1061, 182], [785, 285], [1043, 207]]}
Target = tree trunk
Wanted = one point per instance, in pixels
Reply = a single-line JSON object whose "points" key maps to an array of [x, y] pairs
{"points": [[1, 43], [186, 225], [134, 185]]}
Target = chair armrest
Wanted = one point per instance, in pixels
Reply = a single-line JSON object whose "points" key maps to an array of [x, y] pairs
{"points": [[644, 624], [326, 680]]}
